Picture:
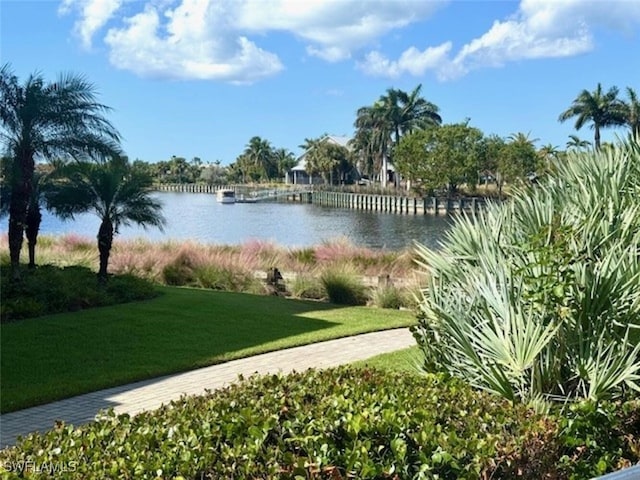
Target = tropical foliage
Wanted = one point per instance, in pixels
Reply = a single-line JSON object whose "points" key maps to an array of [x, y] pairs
{"points": [[260, 161], [576, 143], [46, 120], [115, 192], [379, 127], [601, 109], [518, 158], [440, 158], [539, 298], [329, 159], [631, 113]]}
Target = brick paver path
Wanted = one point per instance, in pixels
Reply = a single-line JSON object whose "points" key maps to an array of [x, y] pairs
{"points": [[150, 394]]}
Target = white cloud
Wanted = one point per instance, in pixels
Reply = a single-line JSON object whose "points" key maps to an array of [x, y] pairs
{"points": [[94, 14], [216, 39], [195, 46], [538, 29], [411, 61], [220, 39], [334, 28]]}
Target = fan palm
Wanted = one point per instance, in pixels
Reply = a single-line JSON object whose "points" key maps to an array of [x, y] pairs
{"points": [[46, 120], [117, 193], [601, 109]]}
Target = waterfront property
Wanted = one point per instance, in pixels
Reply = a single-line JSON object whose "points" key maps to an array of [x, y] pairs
{"points": [[299, 175]]}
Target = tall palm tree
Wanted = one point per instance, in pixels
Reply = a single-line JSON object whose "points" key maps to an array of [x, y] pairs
{"points": [[409, 111], [394, 114], [602, 109], [46, 120], [113, 190], [259, 155], [374, 131], [631, 113], [284, 160]]}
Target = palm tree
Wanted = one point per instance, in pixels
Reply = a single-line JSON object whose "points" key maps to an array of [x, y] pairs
{"points": [[373, 130], [393, 115], [601, 109], [576, 143], [284, 160], [631, 112], [46, 120], [114, 191], [409, 111], [259, 155]]}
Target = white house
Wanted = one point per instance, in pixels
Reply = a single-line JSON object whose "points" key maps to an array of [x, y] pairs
{"points": [[298, 175]]}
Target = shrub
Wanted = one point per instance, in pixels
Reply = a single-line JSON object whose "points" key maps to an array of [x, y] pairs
{"points": [[180, 271], [343, 286], [537, 299], [340, 423], [388, 296], [48, 289], [226, 279], [309, 286]]}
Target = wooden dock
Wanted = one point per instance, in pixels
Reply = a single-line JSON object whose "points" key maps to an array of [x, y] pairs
{"points": [[357, 201]]}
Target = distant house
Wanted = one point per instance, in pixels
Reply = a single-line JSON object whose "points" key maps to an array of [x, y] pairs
{"points": [[298, 175]]}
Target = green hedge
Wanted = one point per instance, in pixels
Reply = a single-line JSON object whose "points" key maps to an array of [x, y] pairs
{"points": [[340, 423], [48, 289]]}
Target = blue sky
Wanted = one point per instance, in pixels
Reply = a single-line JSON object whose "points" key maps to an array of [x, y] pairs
{"points": [[201, 77]]}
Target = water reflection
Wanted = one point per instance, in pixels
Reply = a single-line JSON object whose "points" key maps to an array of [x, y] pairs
{"points": [[199, 217]]}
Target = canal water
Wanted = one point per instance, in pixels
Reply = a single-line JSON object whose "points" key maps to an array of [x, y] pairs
{"points": [[199, 217]]}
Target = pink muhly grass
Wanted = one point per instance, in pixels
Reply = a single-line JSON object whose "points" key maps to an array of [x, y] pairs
{"points": [[73, 241]]}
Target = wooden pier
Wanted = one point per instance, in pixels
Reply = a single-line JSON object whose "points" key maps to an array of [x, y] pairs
{"points": [[398, 203], [356, 201]]}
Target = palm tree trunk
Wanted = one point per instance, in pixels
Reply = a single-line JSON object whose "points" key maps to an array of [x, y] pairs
{"points": [[18, 205], [105, 241], [17, 218], [597, 136], [383, 174], [34, 217]]}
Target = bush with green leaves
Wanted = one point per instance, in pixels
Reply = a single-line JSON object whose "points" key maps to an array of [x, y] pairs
{"points": [[339, 423], [539, 298], [48, 289]]}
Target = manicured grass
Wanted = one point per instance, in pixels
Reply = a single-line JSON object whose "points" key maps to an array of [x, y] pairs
{"points": [[57, 356], [406, 360]]}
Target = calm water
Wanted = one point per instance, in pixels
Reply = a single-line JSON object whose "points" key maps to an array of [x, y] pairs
{"points": [[199, 217]]}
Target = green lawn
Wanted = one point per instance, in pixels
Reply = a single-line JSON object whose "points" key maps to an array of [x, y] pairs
{"points": [[57, 356], [405, 360]]}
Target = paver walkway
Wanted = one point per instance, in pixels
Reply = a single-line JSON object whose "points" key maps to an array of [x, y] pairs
{"points": [[150, 394]]}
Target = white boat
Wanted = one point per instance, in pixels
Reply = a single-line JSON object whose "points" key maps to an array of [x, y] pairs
{"points": [[226, 196]]}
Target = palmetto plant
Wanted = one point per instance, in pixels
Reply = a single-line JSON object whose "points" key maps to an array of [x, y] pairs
{"points": [[539, 298]]}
